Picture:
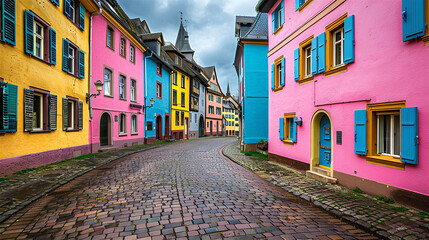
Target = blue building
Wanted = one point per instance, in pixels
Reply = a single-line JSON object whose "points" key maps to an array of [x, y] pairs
{"points": [[251, 65]]}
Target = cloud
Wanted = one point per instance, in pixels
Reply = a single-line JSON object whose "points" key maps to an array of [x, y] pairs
{"points": [[210, 24]]}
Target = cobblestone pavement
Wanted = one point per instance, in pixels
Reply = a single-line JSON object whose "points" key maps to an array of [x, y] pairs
{"points": [[384, 220], [185, 190]]}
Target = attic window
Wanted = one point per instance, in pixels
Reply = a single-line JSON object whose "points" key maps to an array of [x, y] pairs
{"points": [[186, 37]]}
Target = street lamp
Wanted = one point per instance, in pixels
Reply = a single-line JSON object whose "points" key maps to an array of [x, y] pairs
{"points": [[99, 87], [152, 101]]}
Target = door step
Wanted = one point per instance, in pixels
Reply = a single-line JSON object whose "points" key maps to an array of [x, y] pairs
{"points": [[104, 149], [322, 177], [321, 170]]}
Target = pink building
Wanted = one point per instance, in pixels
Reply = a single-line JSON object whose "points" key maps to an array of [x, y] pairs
{"points": [[349, 95], [214, 98], [117, 118]]}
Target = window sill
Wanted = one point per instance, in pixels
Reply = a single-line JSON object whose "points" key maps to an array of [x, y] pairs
{"points": [[72, 130], [336, 70], [123, 99], [306, 80], [109, 96], [40, 131], [123, 134], [387, 161], [135, 133], [40, 59], [111, 48], [278, 30], [278, 89], [303, 6], [160, 98], [288, 142], [72, 74]]}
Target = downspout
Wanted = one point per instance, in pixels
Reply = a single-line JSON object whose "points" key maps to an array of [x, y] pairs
{"points": [[145, 96], [90, 72]]}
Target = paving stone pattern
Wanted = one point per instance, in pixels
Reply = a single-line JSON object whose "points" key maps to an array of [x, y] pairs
{"points": [[179, 191], [382, 219]]}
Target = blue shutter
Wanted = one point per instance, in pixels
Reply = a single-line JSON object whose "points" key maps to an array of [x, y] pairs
{"points": [[56, 2], [297, 4], [293, 130], [273, 22], [273, 86], [296, 63], [29, 32], [409, 135], [349, 39], [282, 78], [53, 45], [321, 53], [10, 107], [282, 13], [81, 60], [65, 55], [360, 132], [314, 56], [8, 14], [281, 128], [81, 17], [67, 9], [413, 19]]}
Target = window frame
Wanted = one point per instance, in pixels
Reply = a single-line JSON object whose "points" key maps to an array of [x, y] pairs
{"points": [[42, 39], [75, 48], [183, 81], [304, 5], [159, 69], [288, 118], [174, 97], [46, 53], [392, 133], [329, 31], [278, 73], [158, 86], [306, 44], [183, 99], [132, 54], [123, 47], [122, 123], [182, 118], [72, 113], [335, 42], [277, 14], [111, 94], [41, 111], [112, 47], [134, 127], [75, 117], [124, 87], [177, 118], [133, 84], [175, 78]]}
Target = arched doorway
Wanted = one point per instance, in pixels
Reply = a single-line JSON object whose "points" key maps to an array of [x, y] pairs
{"points": [[321, 141], [167, 127], [105, 129], [158, 127], [201, 127]]}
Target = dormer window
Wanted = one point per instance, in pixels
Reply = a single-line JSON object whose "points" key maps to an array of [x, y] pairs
{"points": [[158, 48]]}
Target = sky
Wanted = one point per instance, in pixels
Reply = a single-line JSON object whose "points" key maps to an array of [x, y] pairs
{"points": [[210, 24]]}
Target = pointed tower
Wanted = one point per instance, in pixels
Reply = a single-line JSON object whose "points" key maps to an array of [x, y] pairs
{"points": [[182, 42], [228, 94]]}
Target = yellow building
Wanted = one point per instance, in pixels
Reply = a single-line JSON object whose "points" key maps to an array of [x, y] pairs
{"points": [[231, 115], [180, 94], [44, 78]]}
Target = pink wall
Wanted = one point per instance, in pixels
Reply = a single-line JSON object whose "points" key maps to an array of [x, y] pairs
{"points": [[104, 56], [385, 69], [209, 117]]}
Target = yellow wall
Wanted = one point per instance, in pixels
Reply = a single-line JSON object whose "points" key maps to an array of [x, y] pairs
{"points": [[24, 71], [227, 128], [179, 107]]}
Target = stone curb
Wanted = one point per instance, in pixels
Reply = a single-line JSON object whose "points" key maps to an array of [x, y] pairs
{"points": [[22, 205], [346, 217]]}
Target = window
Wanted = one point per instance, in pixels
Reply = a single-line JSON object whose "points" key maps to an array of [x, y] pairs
{"points": [[177, 118], [213, 86], [132, 54], [122, 124], [133, 90], [159, 69], [39, 38], [122, 87], [40, 110], [210, 97], [73, 59], [110, 38], [288, 128], [278, 74], [183, 99], [174, 97], [183, 81], [8, 107], [134, 129], [108, 82], [75, 12], [277, 18], [149, 126], [72, 114], [71, 108], [338, 47], [218, 111], [175, 78], [182, 118], [218, 99], [301, 4], [307, 59], [122, 47], [211, 109], [305, 62], [158, 90], [388, 137], [190, 117], [158, 48], [8, 22]]}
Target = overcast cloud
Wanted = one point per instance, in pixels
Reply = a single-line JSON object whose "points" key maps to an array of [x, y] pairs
{"points": [[210, 24]]}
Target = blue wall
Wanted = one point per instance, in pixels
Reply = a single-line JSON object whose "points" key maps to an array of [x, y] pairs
{"points": [[161, 106], [256, 93]]}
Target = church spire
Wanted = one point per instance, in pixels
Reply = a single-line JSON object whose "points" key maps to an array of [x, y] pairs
{"points": [[182, 41], [228, 94]]}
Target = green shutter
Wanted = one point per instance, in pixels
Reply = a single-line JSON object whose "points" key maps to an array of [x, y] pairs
{"points": [[66, 55], [52, 112], [65, 113], [56, 2], [8, 14], [53, 45], [28, 109], [80, 115], [29, 32], [281, 128], [9, 98], [409, 135], [81, 60], [81, 17], [67, 9]]}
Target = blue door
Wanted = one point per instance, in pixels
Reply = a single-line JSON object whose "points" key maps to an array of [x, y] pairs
{"points": [[325, 142]]}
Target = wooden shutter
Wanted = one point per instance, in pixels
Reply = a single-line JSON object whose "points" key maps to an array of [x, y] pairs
{"points": [[8, 14], [81, 60], [28, 109], [282, 13], [56, 2], [273, 22], [10, 107], [321, 53], [314, 56], [413, 19], [29, 32], [293, 129], [80, 115], [273, 73], [349, 39], [65, 113], [53, 45], [52, 112], [296, 63], [360, 132], [297, 4], [67, 9], [409, 135], [66, 55], [281, 128], [81, 17], [282, 77]]}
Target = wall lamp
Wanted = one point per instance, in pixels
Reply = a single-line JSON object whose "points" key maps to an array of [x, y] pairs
{"points": [[299, 122], [99, 87], [151, 104]]}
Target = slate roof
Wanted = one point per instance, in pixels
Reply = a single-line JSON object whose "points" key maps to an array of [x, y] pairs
{"points": [[208, 71], [259, 28], [152, 37], [182, 40], [244, 19]]}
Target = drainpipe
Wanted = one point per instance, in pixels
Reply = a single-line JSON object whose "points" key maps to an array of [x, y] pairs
{"points": [[145, 91], [90, 73]]}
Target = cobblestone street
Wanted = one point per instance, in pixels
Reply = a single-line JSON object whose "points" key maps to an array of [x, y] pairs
{"points": [[185, 190]]}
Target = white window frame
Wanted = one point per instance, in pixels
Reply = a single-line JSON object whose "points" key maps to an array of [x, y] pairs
{"points": [[72, 58], [133, 92], [109, 82], [132, 53], [41, 111], [307, 59], [72, 115], [134, 124], [392, 136], [39, 37], [123, 85], [183, 82], [73, 10], [122, 47], [158, 90], [123, 124], [341, 42]]}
